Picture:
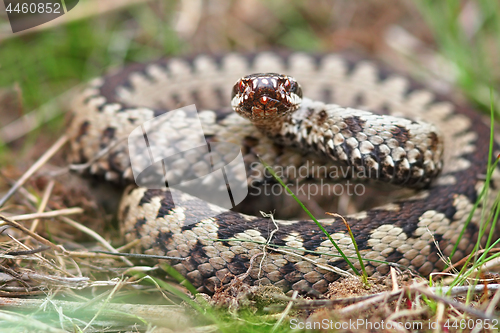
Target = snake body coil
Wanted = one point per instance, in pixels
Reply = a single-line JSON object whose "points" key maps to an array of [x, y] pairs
{"points": [[409, 232]]}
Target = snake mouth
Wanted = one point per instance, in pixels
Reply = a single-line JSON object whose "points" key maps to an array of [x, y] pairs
{"points": [[266, 107]]}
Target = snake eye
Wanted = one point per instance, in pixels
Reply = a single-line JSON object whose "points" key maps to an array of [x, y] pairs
{"points": [[241, 86], [295, 88], [286, 84]]}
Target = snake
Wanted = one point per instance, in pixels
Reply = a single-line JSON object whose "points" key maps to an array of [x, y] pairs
{"points": [[334, 111]]}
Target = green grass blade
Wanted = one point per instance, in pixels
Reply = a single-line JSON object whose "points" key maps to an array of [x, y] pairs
{"points": [[271, 171]]}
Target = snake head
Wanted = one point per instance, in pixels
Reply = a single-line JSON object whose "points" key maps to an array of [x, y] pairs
{"points": [[265, 96]]}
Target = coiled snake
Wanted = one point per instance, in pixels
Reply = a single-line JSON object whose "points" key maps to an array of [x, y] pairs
{"points": [[408, 232]]}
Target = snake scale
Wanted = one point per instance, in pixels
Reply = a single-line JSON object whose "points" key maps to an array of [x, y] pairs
{"points": [[410, 232]]}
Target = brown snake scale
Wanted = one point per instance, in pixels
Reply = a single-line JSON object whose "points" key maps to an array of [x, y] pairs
{"points": [[299, 256]]}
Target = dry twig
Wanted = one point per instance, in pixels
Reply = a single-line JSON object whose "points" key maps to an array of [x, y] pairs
{"points": [[41, 161], [94, 235], [39, 238]]}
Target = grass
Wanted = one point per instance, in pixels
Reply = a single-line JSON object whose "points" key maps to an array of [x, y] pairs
{"points": [[473, 49], [304, 208], [46, 64], [489, 218]]}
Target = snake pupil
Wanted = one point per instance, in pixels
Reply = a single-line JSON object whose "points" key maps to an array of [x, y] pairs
{"points": [[241, 86]]}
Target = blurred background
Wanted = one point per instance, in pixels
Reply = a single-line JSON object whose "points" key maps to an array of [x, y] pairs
{"points": [[452, 45]]}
